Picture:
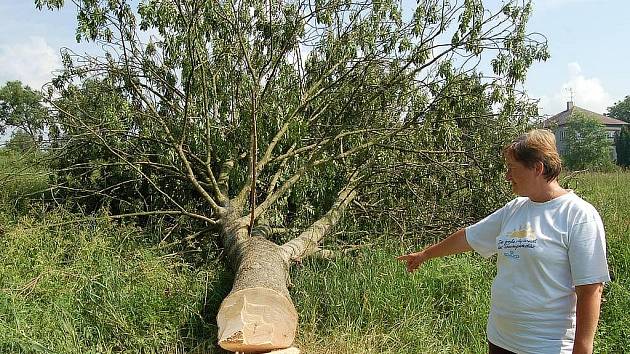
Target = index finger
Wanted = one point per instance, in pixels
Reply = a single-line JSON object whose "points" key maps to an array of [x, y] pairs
{"points": [[403, 257]]}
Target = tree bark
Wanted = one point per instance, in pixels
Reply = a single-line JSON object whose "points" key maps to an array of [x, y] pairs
{"points": [[258, 314]]}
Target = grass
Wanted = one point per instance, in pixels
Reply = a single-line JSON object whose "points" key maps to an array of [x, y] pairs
{"points": [[69, 285], [369, 304], [97, 287], [610, 194]]}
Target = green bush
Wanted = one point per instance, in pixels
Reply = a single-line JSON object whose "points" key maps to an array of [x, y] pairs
{"points": [[20, 177], [22, 142]]}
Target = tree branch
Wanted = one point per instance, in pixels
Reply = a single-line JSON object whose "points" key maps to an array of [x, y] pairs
{"points": [[308, 241]]}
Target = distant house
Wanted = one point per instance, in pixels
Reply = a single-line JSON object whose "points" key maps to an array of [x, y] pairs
{"points": [[558, 124]]}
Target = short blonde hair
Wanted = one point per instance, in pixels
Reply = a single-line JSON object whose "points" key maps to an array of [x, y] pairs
{"points": [[538, 145]]}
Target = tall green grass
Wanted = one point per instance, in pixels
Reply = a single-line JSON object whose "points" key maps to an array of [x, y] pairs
{"points": [[95, 287], [369, 304], [610, 194]]}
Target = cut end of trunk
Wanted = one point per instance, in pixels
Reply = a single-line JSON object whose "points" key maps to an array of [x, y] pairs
{"points": [[256, 320]]}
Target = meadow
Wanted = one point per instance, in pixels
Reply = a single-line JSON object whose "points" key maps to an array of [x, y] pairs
{"points": [[71, 284]]}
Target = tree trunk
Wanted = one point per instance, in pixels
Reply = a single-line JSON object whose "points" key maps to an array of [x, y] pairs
{"points": [[258, 314]]}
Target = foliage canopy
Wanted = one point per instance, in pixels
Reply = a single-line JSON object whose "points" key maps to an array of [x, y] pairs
{"points": [[330, 96], [621, 110], [21, 108]]}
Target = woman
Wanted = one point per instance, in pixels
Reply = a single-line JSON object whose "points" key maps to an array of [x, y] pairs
{"points": [[551, 257]]}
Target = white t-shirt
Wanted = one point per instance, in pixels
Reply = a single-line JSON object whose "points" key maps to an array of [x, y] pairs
{"points": [[543, 251]]}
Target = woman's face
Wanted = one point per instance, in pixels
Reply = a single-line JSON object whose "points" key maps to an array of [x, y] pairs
{"points": [[520, 176]]}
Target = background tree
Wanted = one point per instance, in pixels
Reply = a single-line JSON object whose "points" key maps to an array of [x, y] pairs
{"points": [[21, 107], [255, 125], [620, 110], [587, 145], [622, 144], [21, 142]]}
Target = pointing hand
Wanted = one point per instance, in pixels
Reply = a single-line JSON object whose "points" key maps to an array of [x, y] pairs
{"points": [[413, 260]]}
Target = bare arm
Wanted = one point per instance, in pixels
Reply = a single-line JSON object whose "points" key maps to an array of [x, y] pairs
{"points": [[454, 244], [587, 314]]}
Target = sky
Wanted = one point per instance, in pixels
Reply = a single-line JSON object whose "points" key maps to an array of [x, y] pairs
{"points": [[588, 41]]}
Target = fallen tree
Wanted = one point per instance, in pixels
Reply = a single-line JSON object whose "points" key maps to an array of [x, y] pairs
{"points": [[262, 122]]}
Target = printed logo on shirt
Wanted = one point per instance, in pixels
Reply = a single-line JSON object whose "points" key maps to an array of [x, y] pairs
{"points": [[526, 232]]}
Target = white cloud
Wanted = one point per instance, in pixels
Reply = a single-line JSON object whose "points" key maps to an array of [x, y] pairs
{"points": [[587, 92], [31, 62]]}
